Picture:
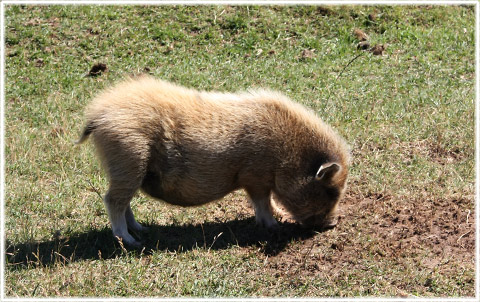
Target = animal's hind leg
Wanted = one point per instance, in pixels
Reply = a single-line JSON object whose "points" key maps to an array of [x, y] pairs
{"points": [[132, 223], [117, 201], [125, 162]]}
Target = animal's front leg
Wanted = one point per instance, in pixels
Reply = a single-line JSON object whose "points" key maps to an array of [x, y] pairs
{"points": [[260, 198]]}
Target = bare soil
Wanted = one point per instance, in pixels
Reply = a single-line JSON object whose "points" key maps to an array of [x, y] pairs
{"points": [[435, 236]]}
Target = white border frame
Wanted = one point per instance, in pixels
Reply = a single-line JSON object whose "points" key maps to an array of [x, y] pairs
{"points": [[242, 2], [239, 2], [2, 150]]}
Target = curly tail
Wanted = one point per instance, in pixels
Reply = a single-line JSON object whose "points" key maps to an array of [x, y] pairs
{"points": [[86, 132]]}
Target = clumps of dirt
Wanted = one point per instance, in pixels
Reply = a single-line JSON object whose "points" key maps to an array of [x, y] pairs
{"points": [[378, 50], [360, 35], [372, 17], [437, 224], [439, 230], [443, 225], [441, 155], [307, 54], [425, 234], [97, 69], [325, 11], [364, 43]]}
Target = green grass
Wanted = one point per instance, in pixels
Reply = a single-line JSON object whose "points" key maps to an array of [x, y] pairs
{"points": [[408, 116]]}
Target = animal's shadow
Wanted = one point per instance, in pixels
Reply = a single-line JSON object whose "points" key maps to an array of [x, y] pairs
{"points": [[100, 244]]}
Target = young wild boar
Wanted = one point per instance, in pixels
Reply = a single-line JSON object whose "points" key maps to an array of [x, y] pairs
{"points": [[189, 147]]}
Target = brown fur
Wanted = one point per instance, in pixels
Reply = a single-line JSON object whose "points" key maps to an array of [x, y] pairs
{"points": [[191, 147]]}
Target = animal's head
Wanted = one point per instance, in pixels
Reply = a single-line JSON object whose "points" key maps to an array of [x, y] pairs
{"points": [[312, 199]]}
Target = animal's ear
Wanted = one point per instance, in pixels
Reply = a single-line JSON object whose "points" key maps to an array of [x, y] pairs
{"points": [[327, 171]]}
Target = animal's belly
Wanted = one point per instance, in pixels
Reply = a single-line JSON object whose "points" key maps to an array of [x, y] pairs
{"points": [[184, 193]]}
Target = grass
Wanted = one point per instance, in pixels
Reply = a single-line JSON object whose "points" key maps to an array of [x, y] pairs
{"points": [[408, 116]]}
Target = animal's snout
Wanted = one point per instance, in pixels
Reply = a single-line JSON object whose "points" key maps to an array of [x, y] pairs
{"points": [[320, 222]]}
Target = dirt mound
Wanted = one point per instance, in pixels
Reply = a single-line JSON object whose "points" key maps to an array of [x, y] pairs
{"points": [[396, 234], [411, 226]]}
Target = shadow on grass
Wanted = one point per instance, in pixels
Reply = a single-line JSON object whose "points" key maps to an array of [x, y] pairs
{"points": [[100, 244]]}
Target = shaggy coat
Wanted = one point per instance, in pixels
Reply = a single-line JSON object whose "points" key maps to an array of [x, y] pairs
{"points": [[189, 147]]}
